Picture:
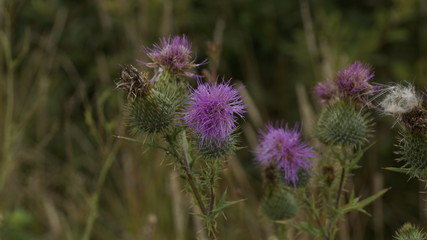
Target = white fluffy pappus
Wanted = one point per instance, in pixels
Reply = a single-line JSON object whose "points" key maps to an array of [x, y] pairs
{"points": [[399, 99]]}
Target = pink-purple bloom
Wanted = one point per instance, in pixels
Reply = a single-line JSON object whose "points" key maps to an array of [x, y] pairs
{"points": [[283, 148], [352, 82], [172, 55], [325, 91], [212, 111]]}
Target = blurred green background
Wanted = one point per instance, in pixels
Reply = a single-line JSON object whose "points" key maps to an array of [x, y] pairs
{"points": [[59, 110]]}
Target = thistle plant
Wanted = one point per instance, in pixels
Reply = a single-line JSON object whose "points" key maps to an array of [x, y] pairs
{"points": [[286, 161], [197, 127], [344, 128], [406, 106]]}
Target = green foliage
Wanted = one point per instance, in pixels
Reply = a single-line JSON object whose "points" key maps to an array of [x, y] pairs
{"points": [[342, 124], [279, 203], [410, 232], [355, 204], [16, 226]]}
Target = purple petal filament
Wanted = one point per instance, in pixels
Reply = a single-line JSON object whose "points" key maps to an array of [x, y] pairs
{"points": [[283, 148], [212, 111], [172, 54]]}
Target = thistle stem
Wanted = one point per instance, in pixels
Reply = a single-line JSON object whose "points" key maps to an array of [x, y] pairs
{"points": [[340, 187], [194, 190]]}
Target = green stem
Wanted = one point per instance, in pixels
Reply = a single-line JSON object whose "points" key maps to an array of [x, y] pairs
{"points": [[333, 216], [94, 201], [8, 119], [281, 231], [340, 187]]}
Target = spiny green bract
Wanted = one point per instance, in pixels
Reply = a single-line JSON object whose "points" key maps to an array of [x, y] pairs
{"points": [[409, 232], [279, 203], [157, 111], [342, 124], [213, 150], [413, 150]]}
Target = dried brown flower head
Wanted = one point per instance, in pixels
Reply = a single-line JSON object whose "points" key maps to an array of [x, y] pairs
{"points": [[133, 81]]}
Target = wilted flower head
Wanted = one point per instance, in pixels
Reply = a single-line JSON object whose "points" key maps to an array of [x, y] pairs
{"points": [[173, 55], [325, 91], [133, 81], [212, 111], [400, 99], [354, 81], [284, 148]]}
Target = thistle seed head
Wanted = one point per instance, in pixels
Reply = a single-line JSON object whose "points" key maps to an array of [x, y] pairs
{"points": [[134, 82], [399, 100]]}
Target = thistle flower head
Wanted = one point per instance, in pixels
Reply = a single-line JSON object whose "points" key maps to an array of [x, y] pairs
{"points": [[400, 99], [353, 81], [212, 111], [283, 148], [325, 91], [172, 55]]}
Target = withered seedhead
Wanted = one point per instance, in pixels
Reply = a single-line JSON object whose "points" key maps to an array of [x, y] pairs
{"points": [[134, 82], [329, 174], [270, 174], [415, 120]]}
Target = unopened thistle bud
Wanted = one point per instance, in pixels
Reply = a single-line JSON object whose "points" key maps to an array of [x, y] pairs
{"points": [[172, 56], [279, 204], [218, 149], [283, 148], [212, 113], [413, 152], [134, 82], [155, 112], [342, 124], [410, 232]]}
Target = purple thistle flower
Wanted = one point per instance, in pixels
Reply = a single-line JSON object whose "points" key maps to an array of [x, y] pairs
{"points": [[325, 91], [212, 111], [353, 82], [173, 55], [283, 148]]}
